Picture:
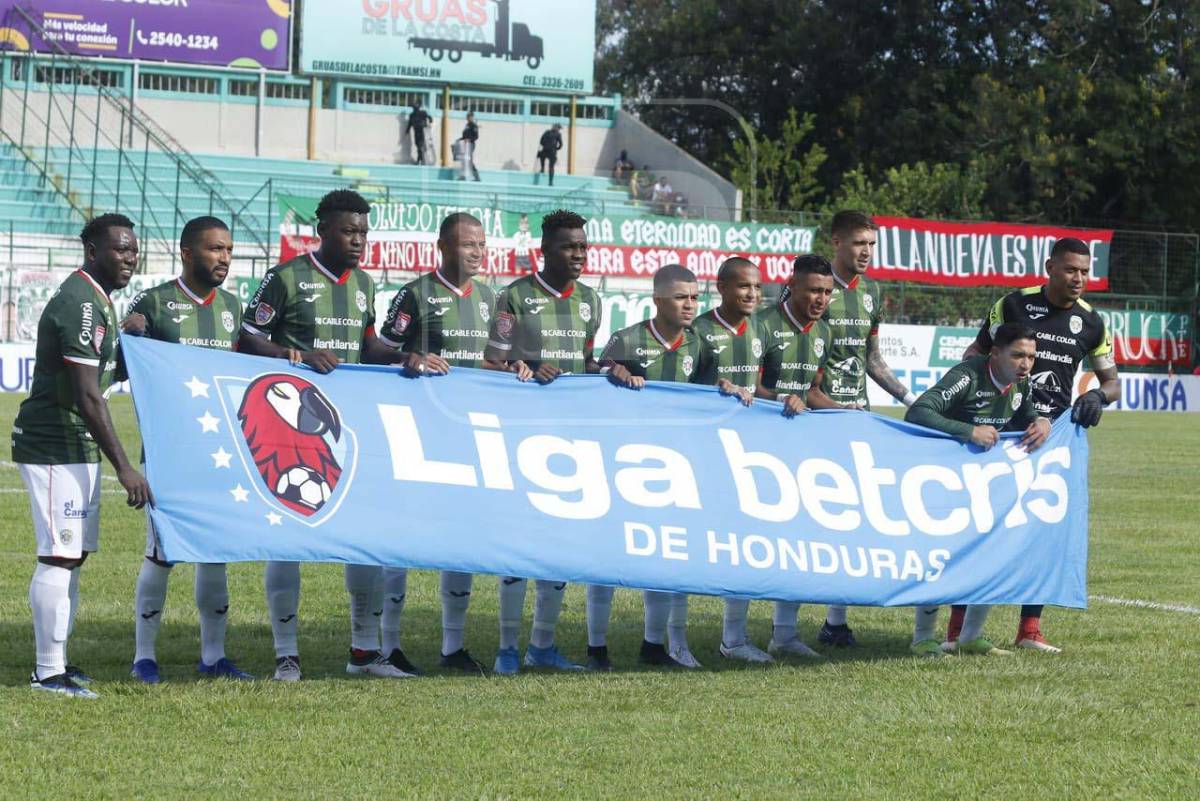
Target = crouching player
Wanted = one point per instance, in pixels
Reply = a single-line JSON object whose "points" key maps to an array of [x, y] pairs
{"points": [[973, 402]]}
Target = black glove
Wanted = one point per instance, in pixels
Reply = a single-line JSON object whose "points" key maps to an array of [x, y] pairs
{"points": [[1088, 408]]}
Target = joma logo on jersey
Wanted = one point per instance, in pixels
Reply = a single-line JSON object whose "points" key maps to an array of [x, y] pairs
{"points": [[297, 452]]}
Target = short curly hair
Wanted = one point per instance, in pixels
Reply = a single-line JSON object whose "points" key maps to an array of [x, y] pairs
{"points": [[342, 200], [561, 220], [98, 226]]}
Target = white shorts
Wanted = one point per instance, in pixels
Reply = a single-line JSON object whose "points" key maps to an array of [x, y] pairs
{"points": [[153, 550], [65, 501]]}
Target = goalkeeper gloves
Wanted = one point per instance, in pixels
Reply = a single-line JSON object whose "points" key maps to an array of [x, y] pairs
{"points": [[1088, 408]]}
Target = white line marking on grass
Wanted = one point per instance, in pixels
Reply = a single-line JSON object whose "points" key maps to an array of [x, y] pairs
{"points": [[1108, 599], [13, 465]]}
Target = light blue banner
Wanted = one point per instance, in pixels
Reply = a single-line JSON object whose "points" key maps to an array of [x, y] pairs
{"points": [[533, 45], [673, 488]]}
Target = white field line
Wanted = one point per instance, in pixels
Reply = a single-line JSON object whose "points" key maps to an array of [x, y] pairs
{"points": [[13, 466], [1140, 604]]}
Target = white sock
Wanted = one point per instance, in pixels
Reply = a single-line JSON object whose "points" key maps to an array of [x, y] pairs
{"points": [[149, 600], [547, 606], [395, 592], [925, 618], [599, 613], [973, 621], [512, 609], [733, 628], [658, 610], [677, 630], [784, 622], [835, 615], [212, 603], [456, 597], [50, 598], [73, 594], [282, 582], [360, 586]]}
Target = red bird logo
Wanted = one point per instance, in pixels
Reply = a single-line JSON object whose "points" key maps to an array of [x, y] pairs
{"points": [[285, 420]]}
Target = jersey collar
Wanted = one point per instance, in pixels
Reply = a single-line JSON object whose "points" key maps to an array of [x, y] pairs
{"points": [[551, 290], [462, 293], [197, 300], [661, 340], [853, 281], [321, 267], [737, 332], [1003, 389], [99, 289], [803, 328]]}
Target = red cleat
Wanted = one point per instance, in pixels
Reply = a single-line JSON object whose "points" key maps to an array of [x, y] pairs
{"points": [[1029, 636]]}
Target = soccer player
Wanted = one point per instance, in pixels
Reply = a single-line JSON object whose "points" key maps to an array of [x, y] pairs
{"points": [[57, 438], [1068, 330], [973, 402], [732, 345], [321, 305], [854, 315], [661, 349], [438, 321], [545, 326], [795, 353], [191, 309]]}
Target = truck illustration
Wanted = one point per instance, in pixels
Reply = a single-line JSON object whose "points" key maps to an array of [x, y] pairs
{"points": [[513, 45]]}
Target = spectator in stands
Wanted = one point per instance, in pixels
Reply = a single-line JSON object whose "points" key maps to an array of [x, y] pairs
{"points": [[470, 136], [663, 194], [522, 242], [549, 146], [623, 168], [681, 204], [418, 121]]}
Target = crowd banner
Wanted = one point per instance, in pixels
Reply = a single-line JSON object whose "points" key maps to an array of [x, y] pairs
{"points": [[404, 237], [533, 45], [673, 487], [192, 32], [977, 254]]}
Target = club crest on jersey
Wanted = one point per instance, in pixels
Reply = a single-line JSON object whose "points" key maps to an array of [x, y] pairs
{"points": [[65, 536], [1016, 400], [360, 300], [402, 321], [585, 312], [819, 347], [1076, 323], [98, 338], [757, 348], [263, 314], [485, 313], [688, 364], [505, 323], [868, 303], [227, 321], [297, 452]]}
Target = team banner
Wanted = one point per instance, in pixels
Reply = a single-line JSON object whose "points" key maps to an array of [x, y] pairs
{"points": [[226, 33], [674, 487], [1149, 338], [977, 254], [540, 45], [404, 237]]}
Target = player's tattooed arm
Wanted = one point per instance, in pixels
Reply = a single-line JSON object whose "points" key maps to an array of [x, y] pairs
{"points": [[882, 375], [1106, 373], [92, 407]]}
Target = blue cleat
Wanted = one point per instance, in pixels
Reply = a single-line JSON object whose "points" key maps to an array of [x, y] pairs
{"points": [[507, 662], [223, 668], [75, 674], [548, 658], [61, 684], [145, 671]]}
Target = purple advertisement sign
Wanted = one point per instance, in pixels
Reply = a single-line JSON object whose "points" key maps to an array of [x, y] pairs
{"points": [[226, 33]]}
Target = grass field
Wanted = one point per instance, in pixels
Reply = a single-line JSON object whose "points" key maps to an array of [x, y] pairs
{"points": [[1116, 715]]}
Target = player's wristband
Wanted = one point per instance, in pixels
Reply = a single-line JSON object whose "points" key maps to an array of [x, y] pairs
{"points": [[782, 396], [604, 370], [909, 399]]}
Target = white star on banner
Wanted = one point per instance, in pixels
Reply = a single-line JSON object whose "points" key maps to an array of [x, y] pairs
{"points": [[198, 387], [208, 423], [221, 458], [274, 519], [240, 493]]}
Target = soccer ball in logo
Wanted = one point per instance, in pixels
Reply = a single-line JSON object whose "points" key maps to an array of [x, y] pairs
{"points": [[304, 486], [585, 312]]}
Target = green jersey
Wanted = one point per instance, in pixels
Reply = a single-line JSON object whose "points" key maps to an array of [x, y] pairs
{"points": [[967, 396], [795, 352], [431, 315], [854, 314], [302, 305], [78, 326], [729, 352], [536, 323], [641, 350], [174, 314]]}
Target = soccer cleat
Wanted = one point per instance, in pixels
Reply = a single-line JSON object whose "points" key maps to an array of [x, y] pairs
{"points": [[75, 674], [1034, 641], [598, 660], [655, 654], [60, 683], [980, 646], [145, 671], [223, 668], [930, 649], [373, 663], [793, 647], [840, 636], [287, 668], [682, 656], [398, 660], [548, 658], [950, 646], [462, 660], [747, 653], [508, 662]]}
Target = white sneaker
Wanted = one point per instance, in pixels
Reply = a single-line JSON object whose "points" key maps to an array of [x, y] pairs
{"points": [[1038, 644], [793, 647], [373, 663], [287, 668], [746, 652], [684, 657], [950, 647]]}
